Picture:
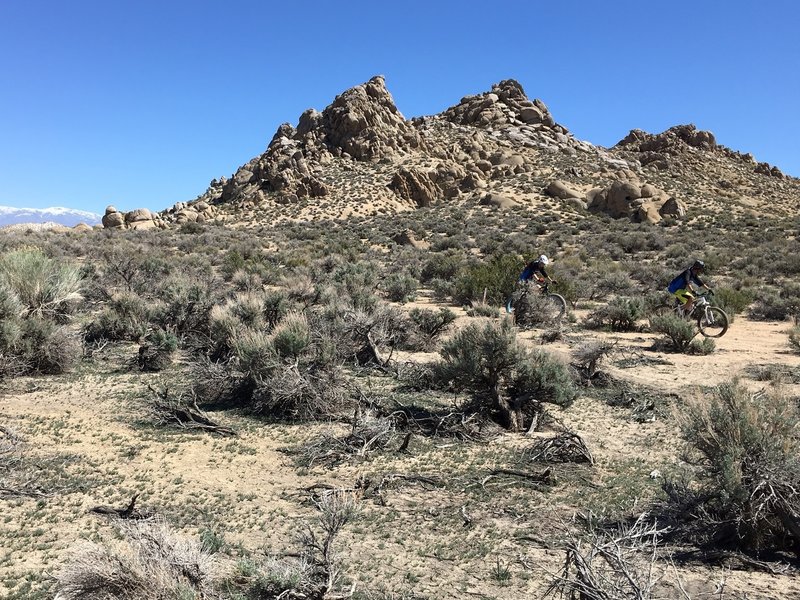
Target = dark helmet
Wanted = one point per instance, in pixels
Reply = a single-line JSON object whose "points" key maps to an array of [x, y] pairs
{"points": [[699, 264]]}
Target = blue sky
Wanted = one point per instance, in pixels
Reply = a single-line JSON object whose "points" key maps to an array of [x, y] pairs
{"points": [[141, 104]]}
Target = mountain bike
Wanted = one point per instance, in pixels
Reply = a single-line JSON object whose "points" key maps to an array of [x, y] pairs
{"points": [[519, 303], [711, 320]]}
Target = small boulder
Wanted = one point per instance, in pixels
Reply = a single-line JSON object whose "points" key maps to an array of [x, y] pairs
{"points": [[673, 208], [498, 201], [138, 215], [559, 189], [114, 220]]}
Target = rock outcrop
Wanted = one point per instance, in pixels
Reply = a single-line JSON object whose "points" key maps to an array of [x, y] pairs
{"points": [[505, 104], [139, 218], [668, 140], [628, 198]]}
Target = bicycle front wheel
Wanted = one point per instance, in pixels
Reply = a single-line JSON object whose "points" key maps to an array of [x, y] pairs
{"points": [[559, 304], [712, 322]]}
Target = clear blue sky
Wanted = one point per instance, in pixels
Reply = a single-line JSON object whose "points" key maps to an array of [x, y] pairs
{"points": [[142, 103]]}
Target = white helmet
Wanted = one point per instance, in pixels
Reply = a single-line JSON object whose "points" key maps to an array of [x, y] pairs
{"points": [[544, 260]]}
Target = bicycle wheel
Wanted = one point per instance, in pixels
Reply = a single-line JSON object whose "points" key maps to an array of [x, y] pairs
{"points": [[712, 322], [510, 304], [557, 300]]}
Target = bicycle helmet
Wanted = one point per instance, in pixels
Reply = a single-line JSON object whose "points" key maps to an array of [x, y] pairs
{"points": [[544, 260], [699, 264]]}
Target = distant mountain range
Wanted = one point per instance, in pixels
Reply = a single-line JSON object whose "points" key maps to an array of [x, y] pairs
{"points": [[69, 217]]}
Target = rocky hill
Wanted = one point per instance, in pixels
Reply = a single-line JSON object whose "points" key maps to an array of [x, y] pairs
{"points": [[361, 156]]}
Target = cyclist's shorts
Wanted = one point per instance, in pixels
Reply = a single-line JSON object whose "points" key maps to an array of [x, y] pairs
{"points": [[683, 295]]}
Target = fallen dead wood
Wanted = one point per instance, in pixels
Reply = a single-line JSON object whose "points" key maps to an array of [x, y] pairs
{"points": [[183, 413], [467, 426], [22, 491], [129, 512]]}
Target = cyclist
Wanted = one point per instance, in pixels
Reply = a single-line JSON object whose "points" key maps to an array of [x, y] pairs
{"points": [[681, 286], [536, 268]]}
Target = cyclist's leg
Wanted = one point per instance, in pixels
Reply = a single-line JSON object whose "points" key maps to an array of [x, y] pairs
{"points": [[686, 299]]}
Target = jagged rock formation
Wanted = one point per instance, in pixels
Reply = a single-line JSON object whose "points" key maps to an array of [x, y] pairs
{"points": [[360, 156]]}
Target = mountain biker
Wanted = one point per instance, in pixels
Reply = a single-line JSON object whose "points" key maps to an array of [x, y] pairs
{"points": [[536, 268], [681, 286]]}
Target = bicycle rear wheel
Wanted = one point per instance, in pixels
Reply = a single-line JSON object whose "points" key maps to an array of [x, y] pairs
{"points": [[559, 303], [664, 310], [712, 322], [510, 304]]}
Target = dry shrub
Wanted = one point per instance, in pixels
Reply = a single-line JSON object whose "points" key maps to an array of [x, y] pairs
{"points": [[747, 450], [678, 330], [507, 381], [150, 561], [43, 286], [289, 371], [124, 318]]}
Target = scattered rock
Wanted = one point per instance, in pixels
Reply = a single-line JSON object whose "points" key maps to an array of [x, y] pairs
{"points": [[408, 238]]}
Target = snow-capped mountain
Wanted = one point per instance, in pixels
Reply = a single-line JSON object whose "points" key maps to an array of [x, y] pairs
{"points": [[70, 217]]}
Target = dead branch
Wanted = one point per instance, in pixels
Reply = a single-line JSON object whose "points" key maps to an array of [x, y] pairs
{"points": [[612, 564], [129, 512], [404, 446], [564, 447], [455, 423], [546, 477]]}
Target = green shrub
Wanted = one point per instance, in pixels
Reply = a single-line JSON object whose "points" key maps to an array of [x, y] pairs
{"points": [[185, 306], [535, 309], [442, 265], [702, 347], [292, 336], [794, 338], [733, 301], [10, 305], [47, 348], [544, 378], [291, 371], [777, 306], [430, 324], [125, 318], [495, 277], [482, 309]]}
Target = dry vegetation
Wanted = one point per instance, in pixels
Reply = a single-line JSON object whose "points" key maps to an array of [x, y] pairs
{"points": [[299, 416]]}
